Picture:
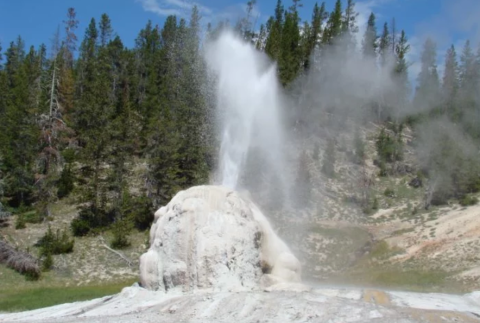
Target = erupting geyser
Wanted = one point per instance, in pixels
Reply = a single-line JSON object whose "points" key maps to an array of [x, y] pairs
{"points": [[211, 237], [248, 104]]}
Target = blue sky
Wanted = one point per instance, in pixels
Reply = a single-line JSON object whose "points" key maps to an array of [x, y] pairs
{"points": [[448, 21]]}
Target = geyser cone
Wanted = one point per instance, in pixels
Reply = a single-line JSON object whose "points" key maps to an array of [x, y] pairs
{"points": [[211, 238]]}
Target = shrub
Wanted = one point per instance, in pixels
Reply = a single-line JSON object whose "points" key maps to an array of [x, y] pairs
{"points": [[142, 213], [20, 223], [79, 227], [389, 192], [468, 200], [55, 243], [66, 182], [90, 219], [389, 148], [47, 263], [121, 230]]}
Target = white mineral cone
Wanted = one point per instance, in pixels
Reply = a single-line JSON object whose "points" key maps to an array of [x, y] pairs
{"points": [[211, 238]]}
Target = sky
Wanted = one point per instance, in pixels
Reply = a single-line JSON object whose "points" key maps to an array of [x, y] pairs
{"points": [[446, 21]]}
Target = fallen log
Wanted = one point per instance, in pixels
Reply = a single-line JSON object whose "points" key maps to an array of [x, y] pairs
{"points": [[19, 261]]}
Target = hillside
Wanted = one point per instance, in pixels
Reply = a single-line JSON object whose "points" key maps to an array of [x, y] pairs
{"points": [[400, 245]]}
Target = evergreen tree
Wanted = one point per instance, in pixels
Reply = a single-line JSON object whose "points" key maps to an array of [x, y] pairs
{"points": [[161, 91], [384, 46], [148, 58], [245, 26], [18, 138], [106, 30], [3, 88], [275, 28], [312, 34], [468, 74], [401, 74], [262, 35], [290, 52], [350, 18], [369, 46], [91, 119], [71, 24], [334, 24], [349, 26], [428, 88], [450, 80]]}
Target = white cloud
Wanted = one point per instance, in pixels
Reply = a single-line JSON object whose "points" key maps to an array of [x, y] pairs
{"points": [[172, 7]]}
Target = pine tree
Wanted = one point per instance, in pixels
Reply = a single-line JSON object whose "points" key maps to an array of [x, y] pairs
{"points": [[290, 53], [350, 18], [71, 24], [313, 36], [245, 26], [428, 88], [18, 138], [3, 88], [64, 63], [450, 81], [384, 46], [91, 118], [50, 123], [334, 24], [468, 74], [275, 28], [262, 36], [401, 74], [160, 93], [106, 30], [195, 115], [148, 56], [349, 26], [369, 46]]}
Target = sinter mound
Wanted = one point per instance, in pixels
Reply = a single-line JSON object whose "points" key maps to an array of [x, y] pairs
{"points": [[209, 237]]}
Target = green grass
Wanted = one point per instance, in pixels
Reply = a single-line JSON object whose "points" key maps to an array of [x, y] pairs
{"points": [[398, 279], [381, 250], [32, 298]]}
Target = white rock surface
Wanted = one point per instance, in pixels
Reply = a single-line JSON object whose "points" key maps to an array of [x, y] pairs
{"points": [[333, 305], [211, 238]]}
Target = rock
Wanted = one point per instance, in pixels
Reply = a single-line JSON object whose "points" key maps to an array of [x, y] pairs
{"points": [[136, 304], [212, 238]]}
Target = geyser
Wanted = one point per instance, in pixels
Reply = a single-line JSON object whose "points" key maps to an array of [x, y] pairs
{"points": [[249, 105]]}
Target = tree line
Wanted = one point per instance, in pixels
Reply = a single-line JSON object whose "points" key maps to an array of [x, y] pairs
{"points": [[77, 119]]}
